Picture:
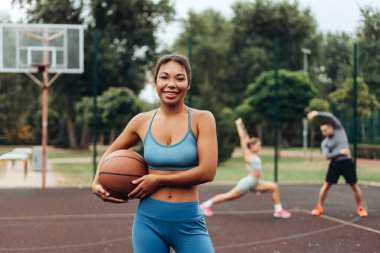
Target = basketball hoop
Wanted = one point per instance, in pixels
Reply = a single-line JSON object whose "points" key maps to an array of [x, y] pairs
{"points": [[42, 48]]}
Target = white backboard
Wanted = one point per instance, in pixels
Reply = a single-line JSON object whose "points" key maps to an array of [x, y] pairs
{"points": [[24, 46]]}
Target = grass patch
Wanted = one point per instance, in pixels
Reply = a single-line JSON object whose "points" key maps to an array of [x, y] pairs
{"points": [[73, 174], [63, 153], [291, 170]]}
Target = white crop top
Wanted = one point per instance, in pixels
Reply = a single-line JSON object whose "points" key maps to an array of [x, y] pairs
{"points": [[255, 164]]}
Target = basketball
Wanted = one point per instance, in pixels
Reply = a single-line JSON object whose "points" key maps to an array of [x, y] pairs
{"points": [[119, 169]]}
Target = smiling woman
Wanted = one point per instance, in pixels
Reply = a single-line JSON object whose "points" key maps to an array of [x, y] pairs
{"points": [[172, 82], [180, 149]]}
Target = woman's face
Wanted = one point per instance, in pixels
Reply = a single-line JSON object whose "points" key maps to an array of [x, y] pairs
{"points": [[255, 147], [172, 83]]}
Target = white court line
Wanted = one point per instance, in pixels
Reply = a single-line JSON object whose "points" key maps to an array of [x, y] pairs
{"points": [[283, 238], [304, 211], [128, 215], [342, 223], [247, 212], [70, 216], [326, 217], [68, 246]]}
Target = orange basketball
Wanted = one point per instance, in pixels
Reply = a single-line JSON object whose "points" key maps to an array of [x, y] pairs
{"points": [[119, 169]]}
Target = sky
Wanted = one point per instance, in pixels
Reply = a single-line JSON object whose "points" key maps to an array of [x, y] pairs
{"points": [[331, 15]]}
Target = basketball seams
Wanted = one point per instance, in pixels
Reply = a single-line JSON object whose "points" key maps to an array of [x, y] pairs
{"points": [[119, 174], [115, 192], [119, 169], [126, 156]]}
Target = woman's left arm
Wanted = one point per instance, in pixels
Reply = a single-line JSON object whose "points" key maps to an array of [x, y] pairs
{"points": [[207, 146]]}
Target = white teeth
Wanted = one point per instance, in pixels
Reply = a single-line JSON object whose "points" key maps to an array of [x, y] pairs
{"points": [[170, 93]]}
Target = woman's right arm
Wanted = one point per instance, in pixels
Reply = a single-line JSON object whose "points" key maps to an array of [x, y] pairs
{"points": [[243, 137], [127, 139]]}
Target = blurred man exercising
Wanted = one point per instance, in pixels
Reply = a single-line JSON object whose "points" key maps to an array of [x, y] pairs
{"points": [[335, 148]]}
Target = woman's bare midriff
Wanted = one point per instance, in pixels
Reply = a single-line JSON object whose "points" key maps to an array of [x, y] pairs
{"points": [[174, 194]]}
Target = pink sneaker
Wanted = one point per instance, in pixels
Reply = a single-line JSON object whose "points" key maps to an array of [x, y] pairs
{"points": [[282, 214], [207, 211]]}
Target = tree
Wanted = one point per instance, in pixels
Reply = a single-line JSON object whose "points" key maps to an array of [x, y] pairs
{"points": [[127, 45], [369, 48], [295, 93], [336, 61], [68, 89], [17, 101], [84, 117], [255, 27], [209, 33], [318, 104], [119, 105], [343, 98], [128, 41]]}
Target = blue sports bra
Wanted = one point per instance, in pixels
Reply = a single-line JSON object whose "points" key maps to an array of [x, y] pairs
{"points": [[182, 155]]}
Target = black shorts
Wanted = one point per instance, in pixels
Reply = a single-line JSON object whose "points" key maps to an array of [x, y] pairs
{"points": [[345, 167]]}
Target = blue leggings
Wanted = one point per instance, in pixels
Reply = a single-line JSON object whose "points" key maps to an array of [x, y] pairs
{"points": [[159, 225]]}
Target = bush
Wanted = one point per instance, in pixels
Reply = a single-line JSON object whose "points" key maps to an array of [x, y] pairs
{"points": [[227, 135], [368, 151]]}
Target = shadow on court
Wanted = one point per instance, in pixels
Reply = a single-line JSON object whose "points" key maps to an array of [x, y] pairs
{"points": [[74, 220]]}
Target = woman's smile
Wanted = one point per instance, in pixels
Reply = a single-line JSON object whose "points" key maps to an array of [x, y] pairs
{"points": [[171, 94]]}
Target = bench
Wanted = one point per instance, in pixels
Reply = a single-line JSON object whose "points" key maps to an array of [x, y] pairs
{"points": [[23, 154]]}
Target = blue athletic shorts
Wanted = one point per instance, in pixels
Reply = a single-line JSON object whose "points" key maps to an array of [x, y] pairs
{"points": [[159, 225]]}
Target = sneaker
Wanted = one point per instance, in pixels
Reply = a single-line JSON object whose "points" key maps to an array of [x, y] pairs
{"points": [[282, 214], [207, 211], [362, 212], [318, 210]]}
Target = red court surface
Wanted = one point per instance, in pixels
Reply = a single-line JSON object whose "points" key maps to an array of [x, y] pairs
{"points": [[74, 220]]}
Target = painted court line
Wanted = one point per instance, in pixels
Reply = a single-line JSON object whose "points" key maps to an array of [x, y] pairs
{"points": [[283, 238], [304, 211], [342, 223], [68, 246], [69, 216], [128, 215], [348, 223]]}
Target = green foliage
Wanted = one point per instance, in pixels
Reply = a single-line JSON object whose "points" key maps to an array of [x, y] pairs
{"points": [[209, 35], [18, 99], [369, 48], [118, 106], [227, 135], [84, 111], [336, 62], [295, 93], [53, 125], [127, 46], [318, 104], [255, 26], [128, 43], [53, 11], [343, 98]]}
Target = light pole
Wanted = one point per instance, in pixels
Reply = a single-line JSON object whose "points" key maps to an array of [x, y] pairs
{"points": [[305, 52]]}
